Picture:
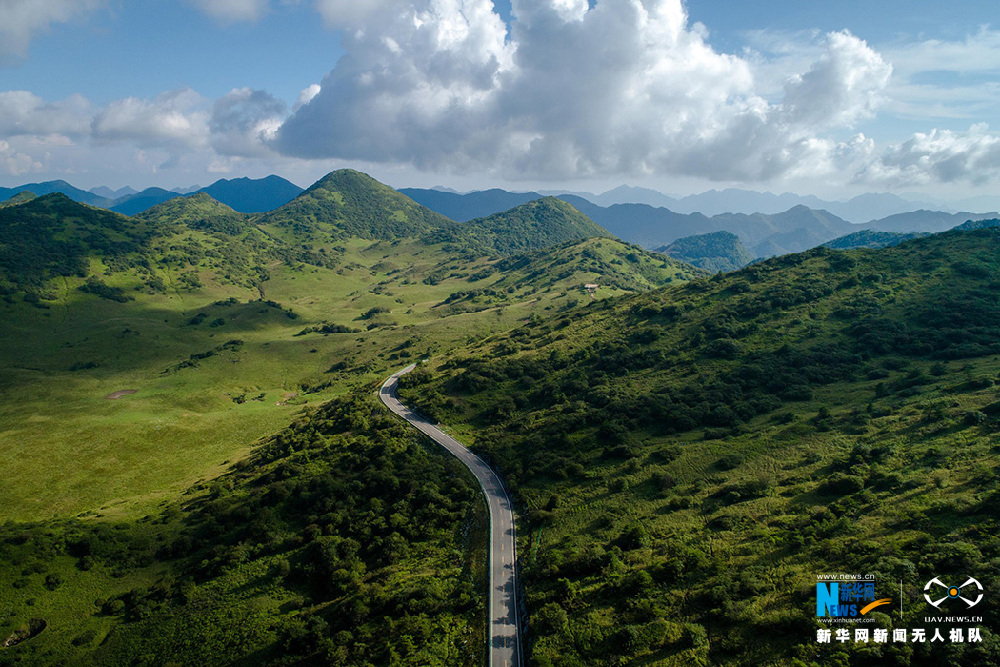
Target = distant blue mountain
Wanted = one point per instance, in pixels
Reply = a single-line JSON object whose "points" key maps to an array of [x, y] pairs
{"points": [[108, 193], [248, 195], [245, 195], [463, 208], [140, 201], [48, 187]]}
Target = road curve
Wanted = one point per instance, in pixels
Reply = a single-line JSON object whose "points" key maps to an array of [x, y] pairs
{"points": [[504, 643]]}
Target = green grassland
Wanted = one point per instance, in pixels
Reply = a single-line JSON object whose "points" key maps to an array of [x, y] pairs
{"points": [[690, 459]]}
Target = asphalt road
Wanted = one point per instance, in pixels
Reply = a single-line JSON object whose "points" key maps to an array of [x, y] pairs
{"points": [[504, 645]]}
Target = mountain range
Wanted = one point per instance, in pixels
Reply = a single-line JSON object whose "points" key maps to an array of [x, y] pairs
{"points": [[245, 195], [862, 208], [764, 234]]}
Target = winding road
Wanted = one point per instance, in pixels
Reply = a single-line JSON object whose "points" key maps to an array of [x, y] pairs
{"points": [[505, 643]]}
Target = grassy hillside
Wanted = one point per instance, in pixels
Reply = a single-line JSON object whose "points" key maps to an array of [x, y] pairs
{"points": [[52, 236], [690, 459], [19, 198]]}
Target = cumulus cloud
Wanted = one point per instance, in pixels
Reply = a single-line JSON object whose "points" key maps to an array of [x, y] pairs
{"points": [[15, 163], [233, 11], [940, 156], [20, 20], [175, 118], [623, 86], [844, 86], [244, 120], [24, 113], [306, 95]]}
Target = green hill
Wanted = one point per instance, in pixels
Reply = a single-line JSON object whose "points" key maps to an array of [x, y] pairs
{"points": [[192, 210], [348, 203], [53, 236], [718, 251], [529, 227], [969, 225], [613, 265], [19, 198], [870, 239], [690, 459]]}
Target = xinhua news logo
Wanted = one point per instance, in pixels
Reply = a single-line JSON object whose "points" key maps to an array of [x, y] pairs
{"points": [[846, 599], [971, 588]]}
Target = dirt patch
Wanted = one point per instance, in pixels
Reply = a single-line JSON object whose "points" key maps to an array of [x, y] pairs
{"points": [[287, 397], [121, 392], [25, 632]]}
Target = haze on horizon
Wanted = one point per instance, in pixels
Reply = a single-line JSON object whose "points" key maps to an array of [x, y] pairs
{"points": [[557, 94]]}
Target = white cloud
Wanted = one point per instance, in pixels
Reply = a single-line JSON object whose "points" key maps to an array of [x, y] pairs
{"points": [[15, 163], [978, 52], [244, 120], [24, 113], [233, 11], [947, 79], [174, 119], [624, 87], [940, 156], [306, 95], [844, 86], [20, 20]]}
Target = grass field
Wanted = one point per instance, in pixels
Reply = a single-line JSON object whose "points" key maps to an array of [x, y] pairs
{"points": [[71, 450]]}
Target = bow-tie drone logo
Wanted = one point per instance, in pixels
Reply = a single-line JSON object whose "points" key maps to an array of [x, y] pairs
{"points": [[953, 592]]}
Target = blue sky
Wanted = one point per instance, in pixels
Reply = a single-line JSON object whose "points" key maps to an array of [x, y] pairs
{"points": [[831, 98]]}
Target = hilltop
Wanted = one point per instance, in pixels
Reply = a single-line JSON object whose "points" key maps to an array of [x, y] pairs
{"points": [[19, 198], [52, 236], [348, 203]]}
